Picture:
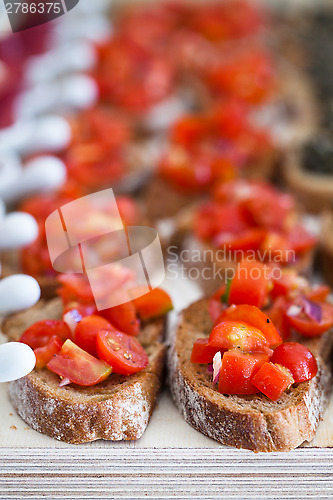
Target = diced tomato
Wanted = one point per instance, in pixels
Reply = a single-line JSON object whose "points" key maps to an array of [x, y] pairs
{"points": [[196, 169], [123, 317], [86, 332], [238, 335], [251, 284], [288, 282], [189, 129], [229, 118], [278, 248], [250, 65], [277, 314], [300, 240], [267, 207], [123, 352], [89, 163], [129, 210], [202, 352], [319, 293], [75, 287], [237, 371], [39, 334], [213, 219], [78, 366], [154, 304], [248, 239], [309, 327], [131, 76], [298, 359], [254, 317], [272, 380], [45, 354]]}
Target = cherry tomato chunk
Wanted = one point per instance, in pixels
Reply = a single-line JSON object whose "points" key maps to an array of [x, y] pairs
{"points": [[254, 317], [202, 352], [154, 304], [309, 327], [39, 334], [272, 380], [78, 366], [298, 359], [237, 335], [123, 317], [45, 354], [123, 352], [237, 371], [86, 332], [250, 284]]}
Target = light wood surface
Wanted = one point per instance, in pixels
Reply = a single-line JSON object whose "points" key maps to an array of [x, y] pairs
{"points": [[182, 473]]}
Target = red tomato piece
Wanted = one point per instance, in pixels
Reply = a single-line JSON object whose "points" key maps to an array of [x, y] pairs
{"points": [[238, 335], [229, 119], [248, 239], [129, 210], [237, 371], [300, 240], [267, 207], [78, 366], [277, 314], [309, 327], [123, 317], [298, 359], [86, 332], [124, 353], [154, 304], [319, 293], [45, 354], [254, 317], [272, 380], [75, 287], [250, 284], [251, 65], [189, 129], [213, 219], [39, 334], [288, 282], [202, 352]]}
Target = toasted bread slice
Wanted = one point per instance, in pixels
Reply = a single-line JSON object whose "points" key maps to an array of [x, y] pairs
{"points": [[116, 409], [253, 422]]}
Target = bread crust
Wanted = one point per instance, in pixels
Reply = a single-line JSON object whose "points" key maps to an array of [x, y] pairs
{"points": [[315, 191], [253, 422], [117, 409], [326, 249]]}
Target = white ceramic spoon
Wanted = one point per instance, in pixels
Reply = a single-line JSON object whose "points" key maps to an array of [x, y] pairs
{"points": [[77, 56], [16, 360], [42, 174], [74, 92], [18, 292], [50, 133], [17, 229]]}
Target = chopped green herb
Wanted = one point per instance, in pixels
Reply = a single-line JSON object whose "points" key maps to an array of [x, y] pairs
{"points": [[226, 295]]}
